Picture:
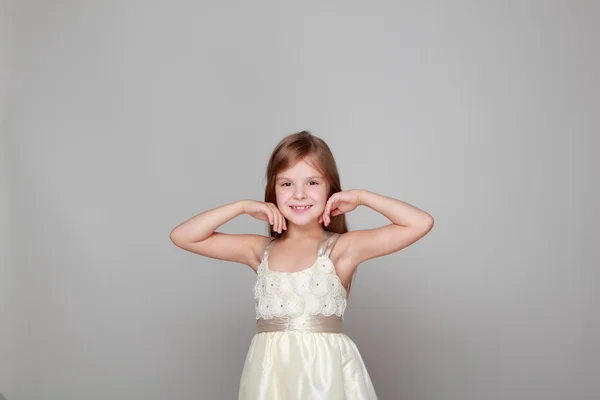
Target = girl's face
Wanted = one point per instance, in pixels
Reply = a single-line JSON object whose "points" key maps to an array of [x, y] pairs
{"points": [[301, 185]]}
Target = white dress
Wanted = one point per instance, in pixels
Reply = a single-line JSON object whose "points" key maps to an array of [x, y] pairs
{"points": [[300, 351]]}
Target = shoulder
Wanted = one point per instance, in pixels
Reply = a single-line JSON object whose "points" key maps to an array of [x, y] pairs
{"points": [[344, 265], [339, 244], [259, 245]]}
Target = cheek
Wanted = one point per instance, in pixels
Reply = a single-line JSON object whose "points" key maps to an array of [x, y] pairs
{"points": [[320, 196], [282, 196]]}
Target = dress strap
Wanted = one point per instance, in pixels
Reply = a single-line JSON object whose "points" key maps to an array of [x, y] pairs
{"points": [[268, 246], [329, 240]]}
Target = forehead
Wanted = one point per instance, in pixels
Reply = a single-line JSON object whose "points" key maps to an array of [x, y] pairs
{"points": [[301, 169]]}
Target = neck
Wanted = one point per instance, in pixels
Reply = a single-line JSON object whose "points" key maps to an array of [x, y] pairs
{"points": [[303, 231]]}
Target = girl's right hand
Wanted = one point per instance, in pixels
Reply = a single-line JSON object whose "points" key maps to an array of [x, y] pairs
{"points": [[265, 212]]}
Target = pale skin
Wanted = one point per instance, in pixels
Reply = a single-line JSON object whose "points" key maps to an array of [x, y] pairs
{"points": [[297, 248]]}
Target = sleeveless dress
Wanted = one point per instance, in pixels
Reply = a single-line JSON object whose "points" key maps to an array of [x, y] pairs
{"points": [[300, 351]]}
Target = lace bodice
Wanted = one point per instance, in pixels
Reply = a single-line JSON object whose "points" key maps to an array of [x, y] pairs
{"points": [[312, 291]]}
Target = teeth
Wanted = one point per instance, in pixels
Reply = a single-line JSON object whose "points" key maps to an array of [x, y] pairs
{"points": [[300, 208]]}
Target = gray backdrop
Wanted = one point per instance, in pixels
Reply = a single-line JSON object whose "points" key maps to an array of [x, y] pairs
{"points": [[121, 119]]}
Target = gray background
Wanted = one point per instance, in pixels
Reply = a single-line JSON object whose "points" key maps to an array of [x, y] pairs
{"points": [[121, 119]]}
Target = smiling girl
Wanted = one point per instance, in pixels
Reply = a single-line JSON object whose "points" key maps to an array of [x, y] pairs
{"points": [[304, 271]]}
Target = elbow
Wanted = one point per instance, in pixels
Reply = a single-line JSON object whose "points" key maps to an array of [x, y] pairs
{"points": [[431, 222], [174, 238], [428, 222]]}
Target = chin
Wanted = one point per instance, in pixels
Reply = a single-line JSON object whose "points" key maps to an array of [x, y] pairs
{"points": [[300, 221]]}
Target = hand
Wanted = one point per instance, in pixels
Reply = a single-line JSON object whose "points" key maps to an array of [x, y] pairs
{"points": [[340, 203], [265, 212]]}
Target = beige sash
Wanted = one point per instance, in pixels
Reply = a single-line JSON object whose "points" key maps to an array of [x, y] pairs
{"points": [[311, 323]]}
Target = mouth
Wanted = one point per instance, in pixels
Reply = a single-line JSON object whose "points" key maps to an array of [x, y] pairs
{"points": [[300, 209]]}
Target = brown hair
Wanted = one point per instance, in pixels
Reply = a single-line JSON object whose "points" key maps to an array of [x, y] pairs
{"points": [[294, 148]]}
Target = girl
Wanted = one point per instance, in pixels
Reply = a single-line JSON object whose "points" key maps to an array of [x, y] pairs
{"points": [[304, 271]]}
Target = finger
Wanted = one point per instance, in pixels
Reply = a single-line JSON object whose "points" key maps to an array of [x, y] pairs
{"points": [[326, 211], [331, 212], [332, 204], [282, 219], [275, 218], [280, 222], [275, 214]]}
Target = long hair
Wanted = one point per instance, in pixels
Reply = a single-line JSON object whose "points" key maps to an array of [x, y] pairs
{"points": [[287, 153]]}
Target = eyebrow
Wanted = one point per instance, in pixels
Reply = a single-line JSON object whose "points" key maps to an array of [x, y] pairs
{"points": [[282, 178]]}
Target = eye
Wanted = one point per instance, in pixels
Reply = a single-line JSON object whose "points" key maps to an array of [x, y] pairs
{"points": [[314, 182], [285, 183]]}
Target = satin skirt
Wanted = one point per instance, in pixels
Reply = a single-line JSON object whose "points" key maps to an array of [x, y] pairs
{"points": [[308, 360]]}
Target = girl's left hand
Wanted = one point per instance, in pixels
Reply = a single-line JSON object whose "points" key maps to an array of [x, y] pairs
{"points": [[340, 203]]}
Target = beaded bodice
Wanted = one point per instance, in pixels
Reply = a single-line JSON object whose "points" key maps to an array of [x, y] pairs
{"points": [[312, 291]]}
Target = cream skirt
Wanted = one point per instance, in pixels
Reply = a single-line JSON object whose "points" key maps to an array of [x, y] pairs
{"points": [[300, 365]]}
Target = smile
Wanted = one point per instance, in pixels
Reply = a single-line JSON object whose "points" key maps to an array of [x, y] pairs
{"points": [[300, 209]]}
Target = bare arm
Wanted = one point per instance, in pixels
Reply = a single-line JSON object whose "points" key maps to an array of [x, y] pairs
{"points": [[198, 235], [409, 224]]}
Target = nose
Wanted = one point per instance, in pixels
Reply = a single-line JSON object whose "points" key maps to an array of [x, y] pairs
{"points": [[299, 193]]}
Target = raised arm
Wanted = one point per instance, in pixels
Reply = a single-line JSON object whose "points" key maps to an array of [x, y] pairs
{"points": [[198, 234], [408, 224]]}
